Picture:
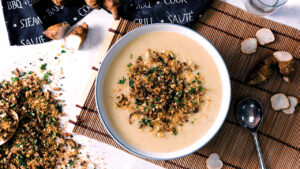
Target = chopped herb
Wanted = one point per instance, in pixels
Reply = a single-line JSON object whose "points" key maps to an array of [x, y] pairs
{"points": [[146, 122], [43, 67], [138, 102], [40, 59], [32, 113], [30, 72], [198, 73], [156, 99], [175, 132], [13, 79], [35, 141], [192, 91], [54, 134], [71, 162], [131, 55], [62, 51], [46, 75], [200, 88], [122, 81], [131, 83], [129, 65], [139, 58]]}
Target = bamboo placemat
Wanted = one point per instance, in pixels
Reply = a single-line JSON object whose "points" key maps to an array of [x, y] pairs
{"points": [[225, 26]]}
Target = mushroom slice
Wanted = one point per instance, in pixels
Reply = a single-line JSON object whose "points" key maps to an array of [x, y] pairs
{"points": [[279, 101], [265, 36], [249, 46], [293, 103], [214, 162]]}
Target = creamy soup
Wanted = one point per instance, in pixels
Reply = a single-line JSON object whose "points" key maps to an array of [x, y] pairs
{"points": [[199, 123]]}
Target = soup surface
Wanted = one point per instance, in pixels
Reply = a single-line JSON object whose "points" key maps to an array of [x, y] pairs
{"points": [[186, 50]]}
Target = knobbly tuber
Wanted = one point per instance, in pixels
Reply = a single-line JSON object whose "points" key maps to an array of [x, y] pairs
{"points": [[96, 4], [75, 39], [112, 6], [285, 62], [263, 72], [60, 2], [57, 31]]}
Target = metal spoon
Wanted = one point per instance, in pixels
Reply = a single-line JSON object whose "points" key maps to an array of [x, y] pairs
{"points": [[249, 114], [16, 118]]}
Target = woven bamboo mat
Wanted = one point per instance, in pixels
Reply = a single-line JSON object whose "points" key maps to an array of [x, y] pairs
{"points": [[225, 26]]}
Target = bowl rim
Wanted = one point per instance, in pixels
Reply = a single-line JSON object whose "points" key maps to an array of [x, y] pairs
{"points": [[224, 72]]}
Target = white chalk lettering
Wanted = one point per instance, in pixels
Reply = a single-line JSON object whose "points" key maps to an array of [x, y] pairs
{"points": [[144, 21], [53, 10], [31, 2], [144, 5], [186, 17], [14, 4], [171, 2], [29, 22], [32, 41], [84, 10]]}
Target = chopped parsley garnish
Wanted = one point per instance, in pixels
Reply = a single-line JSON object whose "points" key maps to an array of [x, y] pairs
{"points": [[122, 81], [13, 79], [146, 122], [43, 67], [46, 75]]}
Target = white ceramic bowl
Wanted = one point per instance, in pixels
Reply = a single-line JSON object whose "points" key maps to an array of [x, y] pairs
{"points": [[224, 78]]}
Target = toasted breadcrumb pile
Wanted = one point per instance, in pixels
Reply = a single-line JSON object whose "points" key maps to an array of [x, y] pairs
{"points": [[39, 141]]}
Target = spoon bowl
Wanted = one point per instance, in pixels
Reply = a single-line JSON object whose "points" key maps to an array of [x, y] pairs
{"points": [[14, 129], [249, 113]]}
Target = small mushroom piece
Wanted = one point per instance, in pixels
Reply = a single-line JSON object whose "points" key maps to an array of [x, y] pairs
{"points": [[265, 36], [293, 103], [214, 162], [279, 101], [249, 46]]}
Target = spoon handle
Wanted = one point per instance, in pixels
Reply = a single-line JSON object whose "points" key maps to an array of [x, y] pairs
{"points": [[261, 162]]}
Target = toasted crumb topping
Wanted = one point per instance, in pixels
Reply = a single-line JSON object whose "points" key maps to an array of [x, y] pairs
{"points": [[164, 92], [39, 141]]}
